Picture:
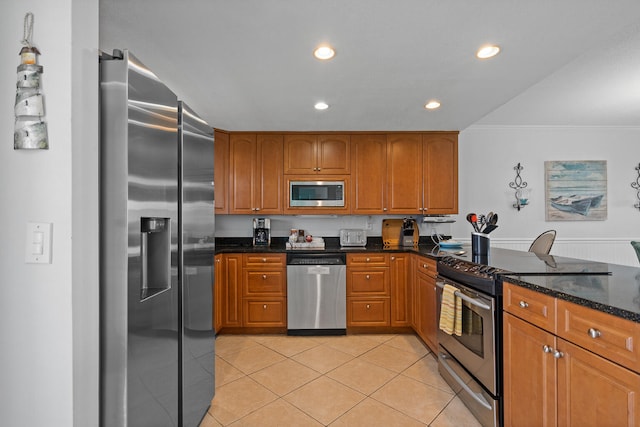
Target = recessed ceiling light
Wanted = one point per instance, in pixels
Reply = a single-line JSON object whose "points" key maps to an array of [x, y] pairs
{"points": [[321, 106], [324, 52], [488, 51], [432, 105]]}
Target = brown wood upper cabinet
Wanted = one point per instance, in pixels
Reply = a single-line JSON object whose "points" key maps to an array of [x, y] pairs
{"points": [[404, 173], [316, 154], [255, 173], [368, 174], [221, 171]]}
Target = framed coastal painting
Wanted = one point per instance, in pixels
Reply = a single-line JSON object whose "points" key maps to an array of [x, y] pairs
{"points": [[576, 190]]}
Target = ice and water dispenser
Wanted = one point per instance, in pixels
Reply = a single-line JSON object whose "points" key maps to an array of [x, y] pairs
{"points": [[155, 255]]}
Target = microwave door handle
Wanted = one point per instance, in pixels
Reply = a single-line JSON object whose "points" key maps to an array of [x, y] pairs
{"points": [[476, 396], [470, 300]]}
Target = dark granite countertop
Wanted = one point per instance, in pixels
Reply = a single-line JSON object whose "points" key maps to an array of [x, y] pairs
{"points": [[332, 244], [605, 287], [617, 293]]}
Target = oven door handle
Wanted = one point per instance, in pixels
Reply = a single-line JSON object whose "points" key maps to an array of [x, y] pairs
{"points": [[476, 396], [470, 300]]}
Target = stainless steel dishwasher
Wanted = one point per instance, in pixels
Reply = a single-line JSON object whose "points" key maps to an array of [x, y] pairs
{"points": [[316, 294]]}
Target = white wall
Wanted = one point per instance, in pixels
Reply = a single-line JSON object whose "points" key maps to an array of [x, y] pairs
{"points": [[486, 160], [41, 304]]}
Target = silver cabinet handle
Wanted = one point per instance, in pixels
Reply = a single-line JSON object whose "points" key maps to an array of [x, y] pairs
{"points": [[264, 260], [547, 349], [384, 209], [425, 266], [367, 277], [393, 258], [523, 304], [594, 333], [264, 276], [368, 259], [476, 396], [264, 306], [368, 306], [558, 354]]}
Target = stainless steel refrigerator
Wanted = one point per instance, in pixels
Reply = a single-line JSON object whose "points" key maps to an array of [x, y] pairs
{"points": [[156, 251]]}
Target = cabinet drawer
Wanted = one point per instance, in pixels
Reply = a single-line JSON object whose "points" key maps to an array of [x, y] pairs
{"points": [[426, 266], [265, 312], [371, 259], [534, 307], [265, 260], [368, 282], [264, 282], [368, 312], [612, 337]]}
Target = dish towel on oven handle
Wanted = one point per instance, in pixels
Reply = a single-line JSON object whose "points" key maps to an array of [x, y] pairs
{"points": [[451, 311]]}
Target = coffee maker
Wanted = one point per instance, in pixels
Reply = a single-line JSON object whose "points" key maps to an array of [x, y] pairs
{"points": [[261, 232]]}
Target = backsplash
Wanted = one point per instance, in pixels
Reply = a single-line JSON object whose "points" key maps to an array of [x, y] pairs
{"points": [[317, 225]]}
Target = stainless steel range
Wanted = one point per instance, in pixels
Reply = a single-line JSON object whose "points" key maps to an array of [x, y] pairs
{"points": [[470, 362]]}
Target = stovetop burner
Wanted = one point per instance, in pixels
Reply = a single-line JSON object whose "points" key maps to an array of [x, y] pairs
{"points": [[478, 276]]}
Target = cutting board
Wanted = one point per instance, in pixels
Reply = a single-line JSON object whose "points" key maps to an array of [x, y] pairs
{"points": [[391, 232]]}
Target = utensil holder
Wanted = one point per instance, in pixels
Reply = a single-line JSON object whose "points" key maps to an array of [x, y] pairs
{"points": [[480, 244]]}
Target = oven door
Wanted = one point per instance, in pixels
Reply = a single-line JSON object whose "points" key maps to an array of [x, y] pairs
{"points": [[475, 348]]}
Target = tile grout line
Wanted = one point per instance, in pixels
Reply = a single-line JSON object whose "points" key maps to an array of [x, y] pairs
{"points": [[367, 395]]}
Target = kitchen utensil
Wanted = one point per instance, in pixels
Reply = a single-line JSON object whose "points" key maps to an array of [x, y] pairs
{"points": [[489, 228], [469, 218], [489, 218], [494, 219], [474, 222]]}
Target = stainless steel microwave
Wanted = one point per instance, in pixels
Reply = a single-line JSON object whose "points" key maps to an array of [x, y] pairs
{"points": [[316, 193]]}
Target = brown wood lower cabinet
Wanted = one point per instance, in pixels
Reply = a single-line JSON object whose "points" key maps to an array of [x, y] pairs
{"points": [[264, 290], [229, 282], [425, 321], [368, 311], [264, 312], [550, 381], [400, 289], [250, 291], [368, 290]]}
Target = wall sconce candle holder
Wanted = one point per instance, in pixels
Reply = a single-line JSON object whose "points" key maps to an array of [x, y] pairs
{"points": [[521, 193], [636, 186]]}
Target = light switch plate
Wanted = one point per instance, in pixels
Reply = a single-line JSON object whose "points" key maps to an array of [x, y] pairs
{"points": [[38, 243]]}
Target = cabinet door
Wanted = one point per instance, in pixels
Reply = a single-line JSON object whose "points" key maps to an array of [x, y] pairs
{"points": [[242, 167], [530, 375], [440, 173], [404, 174], [267, 312], [400, 290], [268, 177], [221, 171], [374, 281], [368, 312], [232, 292], [300, 155], [593, 391], [333, 154], [368, 174], [218, 294], [427, 310]]}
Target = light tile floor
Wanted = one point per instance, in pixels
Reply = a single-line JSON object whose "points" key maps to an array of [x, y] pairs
{"points": [[354, 380]]}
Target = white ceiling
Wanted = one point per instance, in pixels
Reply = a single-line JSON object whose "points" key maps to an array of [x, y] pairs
{"points": [[248, 65]]}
